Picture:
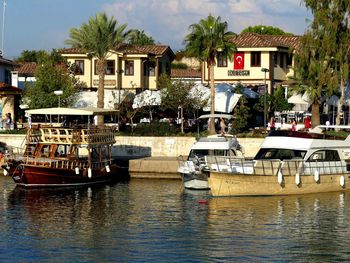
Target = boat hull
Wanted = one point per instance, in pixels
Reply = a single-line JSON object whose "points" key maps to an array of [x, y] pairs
{"points": [[35, 176], [230, 184], [195, 181]]}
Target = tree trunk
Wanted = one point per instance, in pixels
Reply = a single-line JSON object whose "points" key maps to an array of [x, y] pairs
{"points": [[340, 102], [182, 119], [100, 91], [315, 110], [212, 99]]}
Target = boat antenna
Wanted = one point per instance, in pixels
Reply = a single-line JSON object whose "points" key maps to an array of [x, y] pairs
{"points": [[3, 28]]}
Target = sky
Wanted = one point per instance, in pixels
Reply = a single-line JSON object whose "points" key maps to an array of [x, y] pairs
{"points": [[45, 24]]}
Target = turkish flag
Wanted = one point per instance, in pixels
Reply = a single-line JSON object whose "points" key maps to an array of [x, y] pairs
{"points": [[239, 60]]}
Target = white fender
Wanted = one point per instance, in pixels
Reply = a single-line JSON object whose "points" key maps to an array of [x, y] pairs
{"points": [[280, 177], [108, 169], [297, 179], [5, 172], [89, 173], [317, 176], [342, 181], [76, 170]]}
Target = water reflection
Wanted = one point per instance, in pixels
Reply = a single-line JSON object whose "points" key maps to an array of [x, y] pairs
{"points": [[146, 220]]}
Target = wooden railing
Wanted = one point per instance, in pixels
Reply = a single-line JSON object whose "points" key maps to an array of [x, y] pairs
{"points": [[95, 135]]}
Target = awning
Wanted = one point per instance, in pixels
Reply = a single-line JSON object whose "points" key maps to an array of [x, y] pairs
{"points": [[71, 111]]}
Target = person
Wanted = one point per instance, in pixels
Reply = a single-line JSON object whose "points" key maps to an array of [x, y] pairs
{"points": [[307, 123], [222, 126], [294, 125], [8, 121], [272, 124]]}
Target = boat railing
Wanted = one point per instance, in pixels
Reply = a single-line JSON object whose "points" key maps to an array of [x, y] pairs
{"points": [[274, 166], [63, 163], [92, 135]]}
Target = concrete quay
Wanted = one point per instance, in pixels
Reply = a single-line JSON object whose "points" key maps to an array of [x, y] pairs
{"points": [[165, 167], [150, 157]]}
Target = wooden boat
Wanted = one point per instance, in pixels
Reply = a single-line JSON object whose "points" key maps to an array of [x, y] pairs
{"points": [[287, 163], [74, 155]]}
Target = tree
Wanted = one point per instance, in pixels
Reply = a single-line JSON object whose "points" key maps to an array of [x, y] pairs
{"points": [[137, 37], [97, 38], [205, 40], [176, 94], [51, 76], [265, 30], [331, 24], [322, 60]]}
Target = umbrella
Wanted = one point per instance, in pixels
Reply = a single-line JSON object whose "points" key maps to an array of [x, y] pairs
{"points": [[111, 99], [147, 98]]}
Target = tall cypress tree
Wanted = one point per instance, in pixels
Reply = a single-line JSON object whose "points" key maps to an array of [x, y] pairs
{"points": [[322, 61]]}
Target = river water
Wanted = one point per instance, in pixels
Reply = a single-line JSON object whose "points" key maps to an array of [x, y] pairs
{"points": [[156, 220]]}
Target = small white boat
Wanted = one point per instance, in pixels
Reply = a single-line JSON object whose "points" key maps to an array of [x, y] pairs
{"points": [[194, 170], [287, 163]]}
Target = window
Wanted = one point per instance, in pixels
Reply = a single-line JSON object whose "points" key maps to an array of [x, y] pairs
{"points": [[160, 68], [275, 59], [255, 59], [289, 60], [222, 60], [151, 68], [79, 67], [129, 67], [110, 67], [282, 60], [324, 155]]}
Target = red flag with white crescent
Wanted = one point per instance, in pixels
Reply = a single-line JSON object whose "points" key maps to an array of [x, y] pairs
{"points": [[239, 60]]}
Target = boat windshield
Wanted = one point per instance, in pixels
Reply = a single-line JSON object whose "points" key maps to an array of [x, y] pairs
{"points": [[202, 153], [282, 154]]}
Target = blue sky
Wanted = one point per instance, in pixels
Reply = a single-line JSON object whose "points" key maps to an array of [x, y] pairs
{"points": [[45, 24]]}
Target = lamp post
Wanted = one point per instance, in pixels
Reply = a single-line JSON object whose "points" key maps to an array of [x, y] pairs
{"points": [[265, 70], [120, 72], [58, 93]]}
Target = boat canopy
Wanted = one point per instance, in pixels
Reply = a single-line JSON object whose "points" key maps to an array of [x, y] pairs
{"points": [[72, 111]]}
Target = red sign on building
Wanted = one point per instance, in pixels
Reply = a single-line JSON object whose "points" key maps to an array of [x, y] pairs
{"points": [[238, 60]]}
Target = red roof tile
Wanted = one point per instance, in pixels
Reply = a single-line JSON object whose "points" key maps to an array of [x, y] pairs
{"points": [[26, 68], [7, 88], [247, 40]]}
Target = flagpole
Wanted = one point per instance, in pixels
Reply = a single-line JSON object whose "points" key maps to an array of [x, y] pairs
{"points": [[3, 28]]}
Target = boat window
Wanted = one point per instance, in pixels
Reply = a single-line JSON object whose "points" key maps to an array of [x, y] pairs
{"points": [[282, 154], [324, 156]]}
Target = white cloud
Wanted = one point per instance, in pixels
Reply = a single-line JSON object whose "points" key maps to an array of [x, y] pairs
{"points": [[167, 21]]}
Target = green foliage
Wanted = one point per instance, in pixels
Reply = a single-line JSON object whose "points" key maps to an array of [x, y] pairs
{"points": [[179, 65], [37, 56], [97, 38], [177, 93], [30, 56], [209, 37], [241, 115], [265, 30], [279, 101], [205, 40], [138, 37], [50, 77]]}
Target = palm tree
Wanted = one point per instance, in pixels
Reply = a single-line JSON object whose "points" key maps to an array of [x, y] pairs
{"points": [[137, 37], [205, 40], [97, 38]]}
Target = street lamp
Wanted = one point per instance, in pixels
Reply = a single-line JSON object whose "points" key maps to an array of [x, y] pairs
{"points": [[58, 93], [265, 70], [120, 72]]}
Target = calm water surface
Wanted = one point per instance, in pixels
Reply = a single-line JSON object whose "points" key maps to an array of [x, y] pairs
{"points": [[146, 220]]}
